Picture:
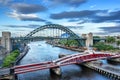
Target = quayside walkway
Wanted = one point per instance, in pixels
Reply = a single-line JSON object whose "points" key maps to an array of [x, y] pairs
{"points": [[106, 70]]}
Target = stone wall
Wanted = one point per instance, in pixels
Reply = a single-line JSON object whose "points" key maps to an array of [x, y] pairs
{"points": [[3, 53]]}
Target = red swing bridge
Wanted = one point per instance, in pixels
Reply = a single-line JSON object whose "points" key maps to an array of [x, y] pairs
{"points": [[67, 60]]}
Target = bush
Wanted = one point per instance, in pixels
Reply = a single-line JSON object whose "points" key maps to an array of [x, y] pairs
{"points": [[103, 46], [10, 58], [69, 42]]}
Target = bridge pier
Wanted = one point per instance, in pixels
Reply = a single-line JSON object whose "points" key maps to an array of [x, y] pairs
{"points": [[14, 76], [56, 71], [89, 39]]}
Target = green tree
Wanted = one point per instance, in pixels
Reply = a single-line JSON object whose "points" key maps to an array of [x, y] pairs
{"points": [[110, 39], [69, 42], [10, 58], [103, 46], [118, 42]]}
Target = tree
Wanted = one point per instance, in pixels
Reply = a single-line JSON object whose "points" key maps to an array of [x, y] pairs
{"points": [[103, 46], [69, 42], [118, 42], [110, 39]]}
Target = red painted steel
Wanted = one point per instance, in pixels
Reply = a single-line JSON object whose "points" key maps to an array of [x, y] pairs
{"points": [[35, 64], [71, 59]]}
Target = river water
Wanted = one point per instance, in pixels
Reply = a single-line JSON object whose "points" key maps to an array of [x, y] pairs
{"points": [[40, 51]]}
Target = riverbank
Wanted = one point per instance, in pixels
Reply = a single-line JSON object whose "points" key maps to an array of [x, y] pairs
{"points": [[66, 47], [5, 72], [25, 51]]}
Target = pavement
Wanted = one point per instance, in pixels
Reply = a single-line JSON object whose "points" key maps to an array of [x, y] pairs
{"points": [[5, 71]]}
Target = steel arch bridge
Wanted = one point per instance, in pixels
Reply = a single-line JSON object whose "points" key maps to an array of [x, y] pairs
{"points": [[60, 27]]}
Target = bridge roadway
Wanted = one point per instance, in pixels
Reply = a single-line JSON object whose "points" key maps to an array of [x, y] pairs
{"points": [[70, 59]]}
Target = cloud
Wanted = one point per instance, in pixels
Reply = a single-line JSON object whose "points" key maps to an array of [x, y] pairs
{"points": [[111, 29], [74, 3], [27, 8], [22, 26], [48, 22], [95, 16], [73, 20], [93, 6], [25, 17], [5, 2], [75, 14], [112, 17], [82, 22], [101, 33], [75, 27]]}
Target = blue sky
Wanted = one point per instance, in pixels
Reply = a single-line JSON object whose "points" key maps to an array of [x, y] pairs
{"points": [[101, 17]]}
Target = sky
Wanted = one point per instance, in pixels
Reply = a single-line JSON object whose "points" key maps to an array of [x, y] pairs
{"points": [[101, 17]]}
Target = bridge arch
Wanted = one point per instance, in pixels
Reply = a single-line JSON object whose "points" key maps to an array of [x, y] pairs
{"points": [[60, 27]]}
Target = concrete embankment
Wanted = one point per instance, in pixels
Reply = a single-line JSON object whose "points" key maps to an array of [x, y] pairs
{"points": [[109, 71], [25, 51]]}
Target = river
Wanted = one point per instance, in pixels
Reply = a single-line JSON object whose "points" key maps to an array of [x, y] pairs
{"points": [[40, 51]]}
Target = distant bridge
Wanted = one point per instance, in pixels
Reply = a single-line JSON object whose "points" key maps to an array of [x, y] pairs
{"points": [[51, 31]]}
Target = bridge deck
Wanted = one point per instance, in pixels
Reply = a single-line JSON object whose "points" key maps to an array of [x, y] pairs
{"points": [[33, 67], [70, 59]]}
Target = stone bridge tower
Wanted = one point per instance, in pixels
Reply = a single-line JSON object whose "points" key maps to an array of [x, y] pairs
{"points": [[89, 39], [6, 41]]}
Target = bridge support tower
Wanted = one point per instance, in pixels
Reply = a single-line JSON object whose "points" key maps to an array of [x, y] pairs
{"points": [[6, 41], [89, 39]]}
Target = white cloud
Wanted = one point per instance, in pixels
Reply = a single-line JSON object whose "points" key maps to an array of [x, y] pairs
{"points": [[18, 16], [5, 2], [25, 17], [27, 8], [93, 6], [16, 32], [94, 27]]}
